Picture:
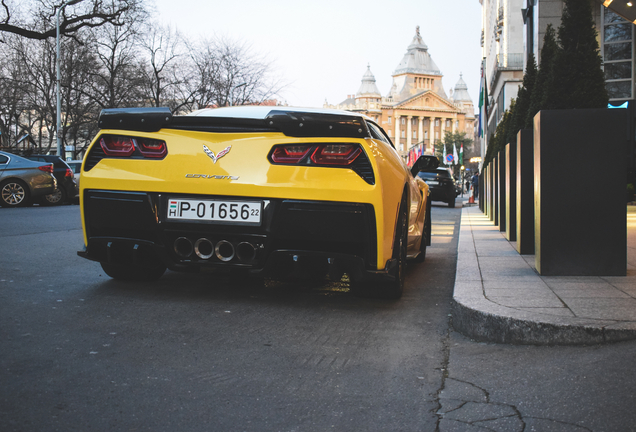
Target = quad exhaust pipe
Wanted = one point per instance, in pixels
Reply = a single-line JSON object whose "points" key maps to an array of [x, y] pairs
{"points": [[224, 250]]}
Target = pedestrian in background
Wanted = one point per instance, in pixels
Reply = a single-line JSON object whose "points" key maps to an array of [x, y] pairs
{"points": [[475, 183]]}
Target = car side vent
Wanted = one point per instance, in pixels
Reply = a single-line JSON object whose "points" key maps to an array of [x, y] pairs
{"points": [[363, 168]]}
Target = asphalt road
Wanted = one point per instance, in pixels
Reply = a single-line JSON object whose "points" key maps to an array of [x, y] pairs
{"points": [[203, 352]]}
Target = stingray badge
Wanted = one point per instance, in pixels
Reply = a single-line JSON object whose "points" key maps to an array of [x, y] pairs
{"points": [[218, 156]]}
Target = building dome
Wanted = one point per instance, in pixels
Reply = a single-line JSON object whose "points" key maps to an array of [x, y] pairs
{"points": [[460, 92], [417, 59], [368, 86]]}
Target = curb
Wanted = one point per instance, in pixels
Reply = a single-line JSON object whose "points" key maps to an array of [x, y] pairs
{"points": [[479, 318]]}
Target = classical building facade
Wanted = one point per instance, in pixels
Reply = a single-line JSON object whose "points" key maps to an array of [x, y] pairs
{"points": [[416, 112]]}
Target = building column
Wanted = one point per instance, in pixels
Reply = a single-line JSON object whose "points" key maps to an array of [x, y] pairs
{"points": [[397, 132], [431, 133], [409, 132], [420, 131], [442, 128]]}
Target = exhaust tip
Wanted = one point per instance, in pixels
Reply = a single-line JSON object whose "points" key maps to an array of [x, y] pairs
{"points": [[204, 248], [224, 250], [183, 247], [245, 251]]}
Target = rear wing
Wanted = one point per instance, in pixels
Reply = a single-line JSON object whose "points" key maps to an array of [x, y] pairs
{"points": [[290, 123]]}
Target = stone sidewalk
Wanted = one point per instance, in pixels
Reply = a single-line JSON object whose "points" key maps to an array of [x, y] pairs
{"points": [[500, 297]]}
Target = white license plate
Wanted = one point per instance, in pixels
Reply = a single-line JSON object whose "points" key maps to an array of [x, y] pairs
{"points": [[433, 182], [230, 212]]}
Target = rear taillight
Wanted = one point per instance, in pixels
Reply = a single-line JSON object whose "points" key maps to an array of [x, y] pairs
{"points": [[125, 146], [339, 154], [290, 154], [151, 148], [69, 173], [335, 154], [115, 145], [46, 168]]}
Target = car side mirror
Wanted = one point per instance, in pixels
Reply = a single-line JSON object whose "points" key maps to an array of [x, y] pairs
{"points": [[424, 163]]}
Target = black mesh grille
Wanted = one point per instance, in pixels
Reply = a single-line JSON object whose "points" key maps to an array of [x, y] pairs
{"points": [[363, 168]]}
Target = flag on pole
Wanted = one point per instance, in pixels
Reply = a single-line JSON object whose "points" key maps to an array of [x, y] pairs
{"points": [[444, 152], [461, 155], [455, 158]]}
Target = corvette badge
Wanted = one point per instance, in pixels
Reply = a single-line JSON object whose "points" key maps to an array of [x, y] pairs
{"points": [[218, 156]]}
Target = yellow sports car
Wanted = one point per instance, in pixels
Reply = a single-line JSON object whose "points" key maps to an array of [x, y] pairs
{"points": [[267, 190]]}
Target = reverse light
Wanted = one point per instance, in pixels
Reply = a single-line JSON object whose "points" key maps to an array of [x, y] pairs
{"points": [[290, 154], [335, 154], [151, 148], [115, 145]]}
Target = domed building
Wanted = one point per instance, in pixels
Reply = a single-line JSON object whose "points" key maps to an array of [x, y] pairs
{"points": [[416, 112]]}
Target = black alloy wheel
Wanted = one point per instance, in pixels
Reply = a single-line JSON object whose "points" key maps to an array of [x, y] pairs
{"points": [[56, 198]]}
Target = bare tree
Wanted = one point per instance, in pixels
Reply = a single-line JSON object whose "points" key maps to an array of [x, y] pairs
{"points": [[117, 77], [35, 19], [226, 72], [164, 72]]}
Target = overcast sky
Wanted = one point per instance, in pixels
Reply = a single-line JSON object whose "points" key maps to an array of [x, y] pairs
{"points": [[322, 47]]}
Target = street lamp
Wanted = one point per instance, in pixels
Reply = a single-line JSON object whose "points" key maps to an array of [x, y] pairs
{"points": [[57, 67], [232, 92]]}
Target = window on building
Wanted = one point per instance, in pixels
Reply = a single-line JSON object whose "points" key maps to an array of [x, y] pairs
{"points": [[402, 132], [617, 54], [414, 134], [403, 121], [389, 119], [436, 122]]}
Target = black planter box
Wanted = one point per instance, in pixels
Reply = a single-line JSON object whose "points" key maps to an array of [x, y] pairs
{"points": [[579, 200], [501, 173], [511, 191], [525, 192]]}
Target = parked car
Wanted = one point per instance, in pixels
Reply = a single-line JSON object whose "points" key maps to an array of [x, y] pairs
{"points": [[22, 180], [66, 188], [76, 166], [441, 185], [265, 190]]}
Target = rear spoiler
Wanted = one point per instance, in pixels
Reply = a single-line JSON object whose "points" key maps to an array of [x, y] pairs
{"points": [[290, 123]]}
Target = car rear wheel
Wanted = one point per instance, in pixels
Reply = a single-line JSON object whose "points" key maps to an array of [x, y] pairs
{"points": [[451, 203], [426, 233], [55, 198], [13, 193], [134, 273]]}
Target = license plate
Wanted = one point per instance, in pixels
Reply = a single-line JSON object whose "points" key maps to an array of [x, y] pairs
{"points": [[432, 182], [229, 212]]}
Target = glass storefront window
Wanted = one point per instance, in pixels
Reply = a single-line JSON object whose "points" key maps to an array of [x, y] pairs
{"points": [[619, 89], [618, 32], [617, 55], [618, 51], [618, 70]]}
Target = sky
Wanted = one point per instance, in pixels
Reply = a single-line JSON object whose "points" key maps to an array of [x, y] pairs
{"points": [[321, 48]]}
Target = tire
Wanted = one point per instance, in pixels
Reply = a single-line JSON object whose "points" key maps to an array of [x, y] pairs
{"points": [[451, 203], [393, 287], [56, 198], [426, 234], [134, 273], [14, 193]]}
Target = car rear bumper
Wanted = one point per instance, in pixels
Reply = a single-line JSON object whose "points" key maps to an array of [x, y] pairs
{"points": [[294, 236]]}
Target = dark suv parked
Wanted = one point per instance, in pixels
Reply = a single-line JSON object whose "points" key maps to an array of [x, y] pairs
{"points": [[441, 184], [66, 187]]}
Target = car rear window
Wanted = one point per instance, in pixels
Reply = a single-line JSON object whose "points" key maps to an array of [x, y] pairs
{"points": [[434, 174]]}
